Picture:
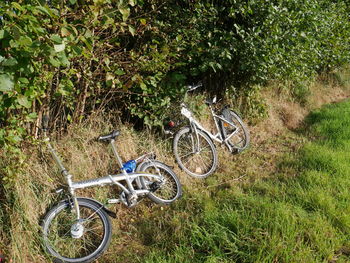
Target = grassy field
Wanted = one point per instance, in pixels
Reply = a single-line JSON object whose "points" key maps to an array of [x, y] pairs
{"points": [[301, 214], [285, 199]]}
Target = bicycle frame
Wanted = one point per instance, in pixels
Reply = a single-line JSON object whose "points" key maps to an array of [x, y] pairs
{"points": [[103, 181], [196, 125]]}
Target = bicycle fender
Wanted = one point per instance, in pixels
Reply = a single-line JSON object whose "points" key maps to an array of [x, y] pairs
{"points": [[139, 167], [226, 110]]}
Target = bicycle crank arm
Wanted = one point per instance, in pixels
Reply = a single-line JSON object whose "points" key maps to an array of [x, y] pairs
{"points": [[113, 201]]}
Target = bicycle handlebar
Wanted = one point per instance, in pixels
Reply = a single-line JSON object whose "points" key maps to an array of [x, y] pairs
{"points": [[193, 87]]}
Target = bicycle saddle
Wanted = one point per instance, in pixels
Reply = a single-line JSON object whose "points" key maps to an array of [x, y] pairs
{"points": [[211, 101], [109, 137]]}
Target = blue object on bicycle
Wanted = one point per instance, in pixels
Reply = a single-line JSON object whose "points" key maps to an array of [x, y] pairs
{"points": [[129, 166]]}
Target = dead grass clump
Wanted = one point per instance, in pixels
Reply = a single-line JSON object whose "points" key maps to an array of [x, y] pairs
{"points": [[325, 91], [292, 114]]}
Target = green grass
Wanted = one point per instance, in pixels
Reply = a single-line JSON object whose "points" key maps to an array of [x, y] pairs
{"points": [[301, 214]]}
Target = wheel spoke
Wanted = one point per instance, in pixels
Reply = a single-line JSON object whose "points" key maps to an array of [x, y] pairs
{"points": [[237, 133], [90, 233], [185, 155], [168, 188], [198, 163]]}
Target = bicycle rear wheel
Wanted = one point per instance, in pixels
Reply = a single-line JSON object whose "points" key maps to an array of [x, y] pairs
{"points": [[71, 240], [196, 155], [235, 130], [164, 192]]}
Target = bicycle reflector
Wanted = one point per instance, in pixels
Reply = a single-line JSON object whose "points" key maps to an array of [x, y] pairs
{"points": [[171, 124]]}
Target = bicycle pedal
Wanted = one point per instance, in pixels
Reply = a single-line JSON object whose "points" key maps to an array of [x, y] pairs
{"points": [[113, 201]]}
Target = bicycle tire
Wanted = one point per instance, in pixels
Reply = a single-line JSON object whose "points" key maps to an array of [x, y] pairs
{"points": [[238, 142], [59, 216], [169, 191], [194, 164]]}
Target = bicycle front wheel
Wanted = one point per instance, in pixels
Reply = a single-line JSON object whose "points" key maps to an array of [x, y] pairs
{"points": [[196, 155], [162, 192], [70, 240], [234, 131]]}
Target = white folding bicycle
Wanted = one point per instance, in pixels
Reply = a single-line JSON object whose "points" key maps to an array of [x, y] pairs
{"points": [[78, 229], [193, 145]]}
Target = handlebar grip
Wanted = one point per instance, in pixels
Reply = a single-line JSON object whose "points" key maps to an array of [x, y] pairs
{"points": [[193, 87], [45, 121]]}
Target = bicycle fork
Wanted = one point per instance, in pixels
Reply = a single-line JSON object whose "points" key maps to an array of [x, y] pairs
{"points": [[195, 139], [68, 177]]}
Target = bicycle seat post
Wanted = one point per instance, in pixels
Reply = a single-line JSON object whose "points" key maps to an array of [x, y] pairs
{"points": [[114, 149]]}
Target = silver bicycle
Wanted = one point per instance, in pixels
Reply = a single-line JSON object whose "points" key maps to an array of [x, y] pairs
{"points": [[193, 145], [78, 229]]}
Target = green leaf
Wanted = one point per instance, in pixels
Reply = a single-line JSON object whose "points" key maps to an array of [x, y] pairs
{"points": [[35, 44], [16, 32], [106, 61], [2, 34], [72, 2], [132, 2], [6, 82], [54, 62], [87, 42], [32, 115], [77, 50], [59, 47], [132, 30], [9, 62], [63, 59], [17, 6], [44, 10], [178, 37], [14, 139], [23, 101], [143, 21], [23, 80], [24, 41], [143, 86], [56, 39], [88, 33], [119, 72], [125, 11]]}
